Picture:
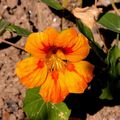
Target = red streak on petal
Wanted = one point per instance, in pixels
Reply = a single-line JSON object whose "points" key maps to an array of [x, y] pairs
{"points": [[70, 67], [55, 75], [46, 48], [67, 50], [53, 49], [40, 64]]}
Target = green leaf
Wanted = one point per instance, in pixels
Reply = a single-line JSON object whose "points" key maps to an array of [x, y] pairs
{"points": [[53, 3], [111, 21], [118, 67], [113, 61], [106, 93], [36, 109], [87, 32], [20, 31], [3, 26], [113, 87]]}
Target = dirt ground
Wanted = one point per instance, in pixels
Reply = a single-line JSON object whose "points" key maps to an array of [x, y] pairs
{"points": [[34, 16]]}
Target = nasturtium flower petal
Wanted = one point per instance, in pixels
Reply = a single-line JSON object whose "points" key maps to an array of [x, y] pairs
{"points": [[31, 71], [80, 49], [56, 64], [78, 75], [85, 69], [75, 82], [52, 35], [54, 89], [65, 37], [35, 44]]}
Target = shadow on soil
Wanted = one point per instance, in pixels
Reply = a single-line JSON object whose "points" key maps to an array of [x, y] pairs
{"points": [[85, 103], [89, 101], [12, 40]]}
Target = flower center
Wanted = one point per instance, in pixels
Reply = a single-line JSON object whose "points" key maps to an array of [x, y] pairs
{"points": [[54, 61]]}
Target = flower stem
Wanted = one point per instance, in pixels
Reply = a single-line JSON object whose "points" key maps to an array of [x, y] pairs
{"points": [[95, 3], [114, 7], [64, 3], [12, 44]]}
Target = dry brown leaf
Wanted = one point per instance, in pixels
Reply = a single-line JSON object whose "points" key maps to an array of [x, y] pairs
{"points": [[106, 2], [88, 16]]}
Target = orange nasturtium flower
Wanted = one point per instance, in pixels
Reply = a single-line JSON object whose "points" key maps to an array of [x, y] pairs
{"points": [[56, 64]]}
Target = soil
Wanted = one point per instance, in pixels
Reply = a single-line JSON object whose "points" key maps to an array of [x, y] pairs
{"points": [[34, 16]]}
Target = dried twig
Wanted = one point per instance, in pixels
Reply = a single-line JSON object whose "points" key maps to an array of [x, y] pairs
{"points": [[95, 3]]}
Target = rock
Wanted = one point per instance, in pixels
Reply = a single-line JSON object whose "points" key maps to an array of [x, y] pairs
{"points": [[1, 103], [12, 117], [2, 87], [20, 114], [11, 89], [0, 114], [12, 106], [7, 35], [5, 115], [20, 103], [12, 3], [106, 113]]}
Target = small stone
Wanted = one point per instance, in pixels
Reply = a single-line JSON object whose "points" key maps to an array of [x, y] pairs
{"points": [[0, 114], [12, 117], [20, 103], [2, 87], [1, 103], [11, 89], [12, 3], [5, 115], [12, 106], [7, 35], [20, 114]]}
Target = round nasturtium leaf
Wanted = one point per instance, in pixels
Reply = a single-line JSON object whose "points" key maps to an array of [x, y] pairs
{"points": [[37, 109]]}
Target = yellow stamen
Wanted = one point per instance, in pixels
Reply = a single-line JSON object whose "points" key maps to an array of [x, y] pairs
{"points": [[55, 63]]}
